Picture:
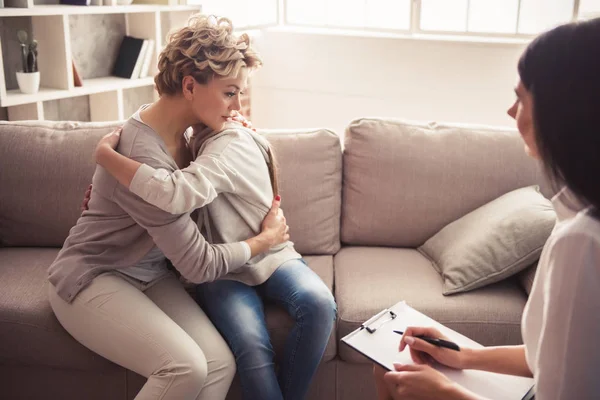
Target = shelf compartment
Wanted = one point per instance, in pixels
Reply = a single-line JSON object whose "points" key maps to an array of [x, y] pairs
{"points": [[67, 109], [32, 111], [171, 20], [106, 106], [95, 50], [134, 98], [146, 26], [54, 54], [11, 51]]}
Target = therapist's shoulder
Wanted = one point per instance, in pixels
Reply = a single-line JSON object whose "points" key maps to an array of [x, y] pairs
{"points": [[584, 226], [580, 239]]}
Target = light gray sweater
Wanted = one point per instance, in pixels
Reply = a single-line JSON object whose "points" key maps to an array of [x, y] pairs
{"points": [[119, 228], [230, 179]]}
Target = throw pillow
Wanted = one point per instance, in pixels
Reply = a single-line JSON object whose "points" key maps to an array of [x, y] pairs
{"points": [[492, 242]]}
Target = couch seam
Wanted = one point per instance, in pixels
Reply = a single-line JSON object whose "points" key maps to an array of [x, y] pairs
{"points": [[27, 324]]}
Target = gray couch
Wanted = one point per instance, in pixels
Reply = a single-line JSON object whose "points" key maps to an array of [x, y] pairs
{"points": [[357, 215]]}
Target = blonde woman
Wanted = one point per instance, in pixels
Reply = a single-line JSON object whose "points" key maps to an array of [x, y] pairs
{"points": [[233, 177], [110, 286]]}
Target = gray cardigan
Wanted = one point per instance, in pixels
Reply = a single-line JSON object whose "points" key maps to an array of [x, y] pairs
{"points": [[119, 228]]}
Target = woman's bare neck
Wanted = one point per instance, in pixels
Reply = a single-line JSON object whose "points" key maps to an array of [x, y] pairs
{"points": [[168, 118]]}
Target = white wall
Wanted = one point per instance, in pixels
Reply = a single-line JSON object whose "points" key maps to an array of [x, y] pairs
{"points": [[323, 80]]}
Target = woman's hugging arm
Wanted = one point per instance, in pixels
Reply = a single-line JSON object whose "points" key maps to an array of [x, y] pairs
{"points": [[184, 190]]}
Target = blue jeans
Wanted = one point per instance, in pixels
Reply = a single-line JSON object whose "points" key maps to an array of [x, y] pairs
{"points": [[237, 311]]}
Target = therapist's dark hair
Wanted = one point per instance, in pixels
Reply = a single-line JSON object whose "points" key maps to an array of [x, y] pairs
{"points": [[561, 70]]}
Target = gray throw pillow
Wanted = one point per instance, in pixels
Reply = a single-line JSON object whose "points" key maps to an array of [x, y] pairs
{"points": [[492, 242]]}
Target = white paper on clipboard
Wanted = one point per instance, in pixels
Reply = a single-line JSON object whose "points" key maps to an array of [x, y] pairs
{"points": [[381, 346]]}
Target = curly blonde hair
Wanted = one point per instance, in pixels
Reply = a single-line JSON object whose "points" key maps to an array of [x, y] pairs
{"points": [[205, 47]]}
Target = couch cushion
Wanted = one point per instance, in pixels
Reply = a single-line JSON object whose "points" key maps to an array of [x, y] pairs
{"points": [[403, 182], [369, 279], [30, 334], [310, 181], [40, 382], [46, 167], [493, 242], [279, 323]]}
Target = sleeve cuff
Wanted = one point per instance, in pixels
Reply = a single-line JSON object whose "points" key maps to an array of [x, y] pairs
{"points": [[140, 180], [247, 250], [238, 254]]}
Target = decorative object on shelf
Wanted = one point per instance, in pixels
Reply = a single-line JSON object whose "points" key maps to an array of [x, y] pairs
{"points": [[76, 78], [29, 78]]}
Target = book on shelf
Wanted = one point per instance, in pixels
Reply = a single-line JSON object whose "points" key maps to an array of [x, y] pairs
{"points": [[76, 2], [131, 57], [137, 68], [145, 71]]}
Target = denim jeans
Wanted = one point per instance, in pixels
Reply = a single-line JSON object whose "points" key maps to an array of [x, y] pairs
{"points": [[237, 311]]}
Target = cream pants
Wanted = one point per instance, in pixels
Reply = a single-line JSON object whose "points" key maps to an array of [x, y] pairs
{"points": [[156, 330]]}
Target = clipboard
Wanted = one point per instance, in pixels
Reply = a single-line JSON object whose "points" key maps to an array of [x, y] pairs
{"points": [[376, 340]]}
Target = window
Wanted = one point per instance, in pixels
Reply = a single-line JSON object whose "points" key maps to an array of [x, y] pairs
{"points": [[479, 17], [494, 16], [243, 13], [589, 8], [377, 14], [473, 17]]}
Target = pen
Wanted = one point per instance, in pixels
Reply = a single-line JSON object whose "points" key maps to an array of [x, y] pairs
{"points": [[436, 342]]}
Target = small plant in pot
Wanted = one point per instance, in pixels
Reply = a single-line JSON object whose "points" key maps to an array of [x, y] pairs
{"points": [[29, 78]]}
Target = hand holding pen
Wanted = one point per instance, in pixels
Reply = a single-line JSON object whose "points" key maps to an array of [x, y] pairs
{"points": [[436, 341], [427, 343]]}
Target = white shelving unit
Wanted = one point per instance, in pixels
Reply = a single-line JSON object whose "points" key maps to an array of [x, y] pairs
{"points": [[50, 27]]}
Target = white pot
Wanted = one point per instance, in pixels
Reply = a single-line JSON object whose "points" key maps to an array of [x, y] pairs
{"points": [[29, 82]]}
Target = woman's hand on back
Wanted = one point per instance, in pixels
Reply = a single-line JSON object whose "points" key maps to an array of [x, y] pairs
{"points": [[274, 230], [109, 142], [239, 118], [86, 198], [274, 224]]}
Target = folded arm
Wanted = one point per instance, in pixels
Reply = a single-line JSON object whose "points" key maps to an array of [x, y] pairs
{"points": [[179, 238], [177, 191]]}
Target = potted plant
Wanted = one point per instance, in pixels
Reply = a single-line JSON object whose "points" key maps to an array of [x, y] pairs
{"points": [[29, 78]]}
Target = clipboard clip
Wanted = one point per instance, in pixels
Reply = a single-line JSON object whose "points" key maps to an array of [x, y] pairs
{"points": [[378, 320]]}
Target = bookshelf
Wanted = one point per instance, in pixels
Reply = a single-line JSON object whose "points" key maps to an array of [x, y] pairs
{"points": [[61, 32]]}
